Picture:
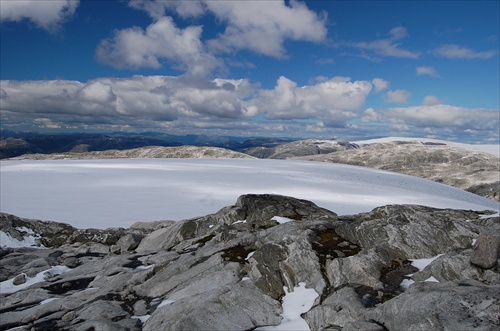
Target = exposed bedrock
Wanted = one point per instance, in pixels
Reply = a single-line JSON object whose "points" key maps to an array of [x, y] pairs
{"points": [[396, 267]]}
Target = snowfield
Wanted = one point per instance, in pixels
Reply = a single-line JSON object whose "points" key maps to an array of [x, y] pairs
{"points": [[120, 192]]}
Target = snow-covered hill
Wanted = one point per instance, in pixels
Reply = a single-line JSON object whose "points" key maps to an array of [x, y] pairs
{"points": [[110, 193]]}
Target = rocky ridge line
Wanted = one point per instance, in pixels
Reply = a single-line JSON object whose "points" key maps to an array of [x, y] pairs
{"points": [[142, 152], [475, 172], [227, 270]]}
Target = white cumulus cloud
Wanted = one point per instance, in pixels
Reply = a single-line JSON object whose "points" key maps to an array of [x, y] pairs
{"points": [[161, 41], [261, 27], [380, 84], [334, 101], [45, 14], [398, 96]]}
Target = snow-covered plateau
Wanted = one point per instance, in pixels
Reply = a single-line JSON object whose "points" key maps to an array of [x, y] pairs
{"points": [[119, 192]]}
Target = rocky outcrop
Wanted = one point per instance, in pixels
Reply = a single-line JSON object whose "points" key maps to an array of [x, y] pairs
{"points": [[299, 148], [143, 152], [55, 234], [398, 266]]}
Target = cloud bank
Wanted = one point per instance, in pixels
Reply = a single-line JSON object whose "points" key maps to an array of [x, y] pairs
{"points": [[48, 15], [330, 107]]}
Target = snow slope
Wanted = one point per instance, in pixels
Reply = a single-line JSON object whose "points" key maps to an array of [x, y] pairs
{"points": [[119, 192]]}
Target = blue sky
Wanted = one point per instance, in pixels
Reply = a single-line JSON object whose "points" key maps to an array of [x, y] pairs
{"points": [[311, 69]]}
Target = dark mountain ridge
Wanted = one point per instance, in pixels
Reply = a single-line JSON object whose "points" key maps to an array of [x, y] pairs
{"points": [[14, 144]]}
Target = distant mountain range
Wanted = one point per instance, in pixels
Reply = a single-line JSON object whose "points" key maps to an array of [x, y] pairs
{"points": [[14, 144]]}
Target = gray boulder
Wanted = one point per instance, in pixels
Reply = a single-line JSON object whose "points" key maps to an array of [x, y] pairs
{"points": [[129, 242], [260, 209], [487, 250], [19, 279]]}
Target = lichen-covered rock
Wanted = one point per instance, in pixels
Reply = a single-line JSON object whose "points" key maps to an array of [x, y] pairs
{"points": [[19, 279]]}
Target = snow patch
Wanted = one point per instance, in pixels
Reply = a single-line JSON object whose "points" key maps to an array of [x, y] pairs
{"points": [[249, 255], [295, 303], [25, 230], [489, 216], [8, 287], [406, 283], [165, 303], [48, 300], [6, 240], [240, 222], [431, 279], [420, 264], [281, 220]]}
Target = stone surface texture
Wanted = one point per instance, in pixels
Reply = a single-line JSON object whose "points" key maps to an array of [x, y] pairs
{"points": [[229, 270]]}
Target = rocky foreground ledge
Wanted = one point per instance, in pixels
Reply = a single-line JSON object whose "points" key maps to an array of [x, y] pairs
{"points": [[398, 267]]}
